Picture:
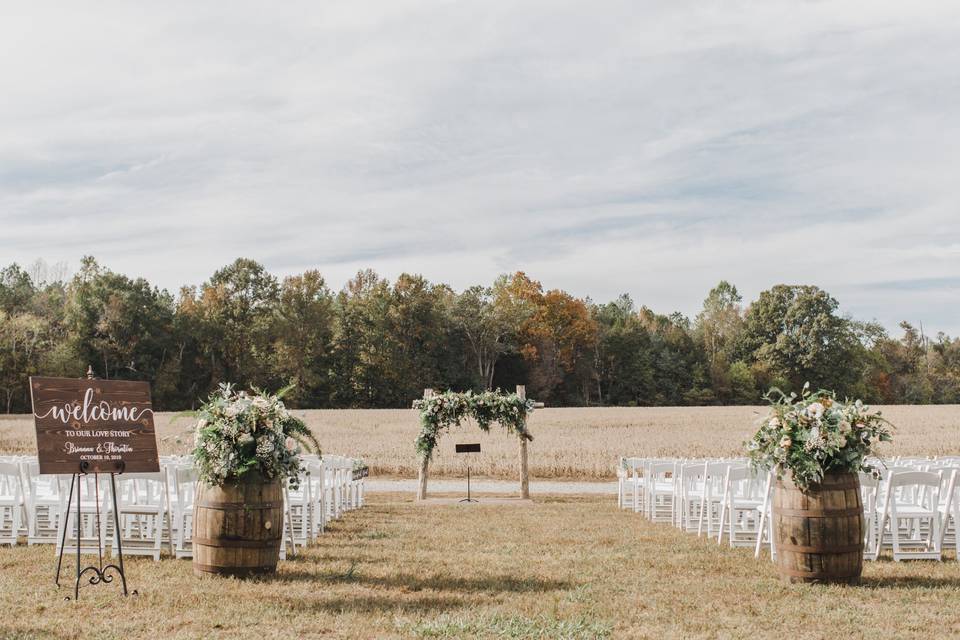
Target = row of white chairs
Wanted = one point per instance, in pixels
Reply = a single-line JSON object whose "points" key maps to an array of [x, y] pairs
{"points": [[155, 509], [913, 510]]}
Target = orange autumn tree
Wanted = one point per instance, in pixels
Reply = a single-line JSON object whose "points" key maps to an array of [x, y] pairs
{"points": [[558, 337]]}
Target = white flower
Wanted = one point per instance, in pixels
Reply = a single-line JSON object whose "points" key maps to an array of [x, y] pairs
{"points": [[290, 444], [231, 411], [201, 423], [774, 423], [815, 410], [264, 446]]}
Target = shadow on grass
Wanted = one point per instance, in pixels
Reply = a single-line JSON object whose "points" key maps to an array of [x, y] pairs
{"points": [[409, 582], [376, 604], [910, 582]]}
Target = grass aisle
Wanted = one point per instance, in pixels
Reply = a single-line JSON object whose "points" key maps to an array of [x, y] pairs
{"points": [[563, 568]]}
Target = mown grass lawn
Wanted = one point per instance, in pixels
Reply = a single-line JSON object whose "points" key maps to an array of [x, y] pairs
{"points": [[562, 568]]}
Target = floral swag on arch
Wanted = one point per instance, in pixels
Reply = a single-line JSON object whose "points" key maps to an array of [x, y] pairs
{"points": [[441, 411]]}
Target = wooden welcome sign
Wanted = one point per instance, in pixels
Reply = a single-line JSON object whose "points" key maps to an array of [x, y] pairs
{"points": [[93, 426]]}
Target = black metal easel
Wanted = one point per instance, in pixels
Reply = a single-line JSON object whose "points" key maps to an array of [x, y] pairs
{"points": [[99, 571]]}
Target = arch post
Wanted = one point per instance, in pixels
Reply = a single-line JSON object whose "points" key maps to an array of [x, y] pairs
{"points": [[524, 476], [424, 465]]}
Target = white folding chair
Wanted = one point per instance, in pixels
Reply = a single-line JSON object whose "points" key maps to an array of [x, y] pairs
{"points": [[43, 499], [765, 526], [142, 501], [911, 515], [950, 510], [11, 502], [869, 496], [740, 508], [692, 491], [317, 493], [184, 490], [714, 481], [660, 491], [93, 499]]}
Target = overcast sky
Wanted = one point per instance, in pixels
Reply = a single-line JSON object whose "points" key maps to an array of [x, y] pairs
{"points": [[652, 148]]}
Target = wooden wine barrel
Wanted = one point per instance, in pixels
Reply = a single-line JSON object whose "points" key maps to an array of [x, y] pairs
{"points": [[237, 528], [818, 533]]}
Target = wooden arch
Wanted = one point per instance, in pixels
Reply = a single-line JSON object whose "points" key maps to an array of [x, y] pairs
{"points": [[524, 473]]}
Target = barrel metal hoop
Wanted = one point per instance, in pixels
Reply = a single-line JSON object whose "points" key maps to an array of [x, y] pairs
{"points": [[818, 513], [237, 544], [797, 548], [797, 573], [233, 571], [237, 506]]}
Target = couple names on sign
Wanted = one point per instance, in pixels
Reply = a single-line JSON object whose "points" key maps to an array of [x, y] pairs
{"points": [[97, 426]]}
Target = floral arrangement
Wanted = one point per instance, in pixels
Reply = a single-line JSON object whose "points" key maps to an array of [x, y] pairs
{"points": [[816, 433], [444, 410], [360, 469], [239, 433]]}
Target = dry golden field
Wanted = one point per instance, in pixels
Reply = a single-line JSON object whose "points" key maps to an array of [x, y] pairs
{"points": [[564, 569], [569, 443]]}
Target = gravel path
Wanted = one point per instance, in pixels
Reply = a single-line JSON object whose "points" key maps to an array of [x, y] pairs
{"points": [[492, 486]]}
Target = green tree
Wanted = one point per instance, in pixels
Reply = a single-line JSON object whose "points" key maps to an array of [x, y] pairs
{"points": [[797, 335], [624, 356], [418, 330], [303, 344], [361, 343], [121, 327], [22, 341], [718, 328], [16, 289], [236, 310], [490, 319]]}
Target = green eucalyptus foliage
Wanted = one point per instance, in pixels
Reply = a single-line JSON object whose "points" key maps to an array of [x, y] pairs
{"points": [[815, 433], [442, 411]]}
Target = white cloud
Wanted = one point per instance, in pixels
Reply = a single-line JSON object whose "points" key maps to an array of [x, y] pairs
{"points": [[651, 148]]}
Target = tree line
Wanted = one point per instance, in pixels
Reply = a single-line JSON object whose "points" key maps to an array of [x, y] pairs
{"points": [[379, 344]]}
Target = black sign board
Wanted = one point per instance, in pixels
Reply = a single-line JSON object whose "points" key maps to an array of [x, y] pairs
{"points": [[95, 426], [469, 448]]}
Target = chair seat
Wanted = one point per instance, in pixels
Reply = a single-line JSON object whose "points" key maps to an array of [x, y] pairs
{"points": [[914, 511], [144, 509]]}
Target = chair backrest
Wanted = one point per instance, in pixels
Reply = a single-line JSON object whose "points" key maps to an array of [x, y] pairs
{"points": [[868, 481], [184, 483], [141, 488], [11, 480], [737, 473], [915, 478], [662, 468]]}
